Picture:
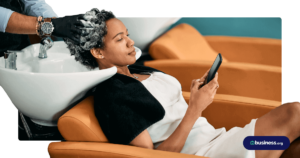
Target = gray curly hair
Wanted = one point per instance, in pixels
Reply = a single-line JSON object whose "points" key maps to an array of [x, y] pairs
{"points": [[93, 34]]}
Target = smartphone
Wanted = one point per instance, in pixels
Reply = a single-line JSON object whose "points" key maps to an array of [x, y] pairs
{"points": [[213, 70]]}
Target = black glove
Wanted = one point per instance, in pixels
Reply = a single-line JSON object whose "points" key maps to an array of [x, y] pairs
{"points": [[68, 27]]}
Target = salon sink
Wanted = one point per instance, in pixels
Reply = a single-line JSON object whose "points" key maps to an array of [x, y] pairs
{"points": [[143, 30], [44, 89]]}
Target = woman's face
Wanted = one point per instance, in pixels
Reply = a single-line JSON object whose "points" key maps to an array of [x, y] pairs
{"points": [[119, 50]]}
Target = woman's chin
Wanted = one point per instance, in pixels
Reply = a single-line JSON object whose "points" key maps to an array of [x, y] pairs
{"points": [[133, 62]]}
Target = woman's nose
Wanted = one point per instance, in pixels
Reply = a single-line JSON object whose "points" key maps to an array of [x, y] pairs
{"points": [[130, 42]]}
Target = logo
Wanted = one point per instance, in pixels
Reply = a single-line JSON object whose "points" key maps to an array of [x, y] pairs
{"points": [[266, 142]]}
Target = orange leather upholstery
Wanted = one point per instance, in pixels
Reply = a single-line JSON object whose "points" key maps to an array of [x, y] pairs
{"points": [[184, 42], [85, 138], [254, 50], [251, 66], [240, 79]]}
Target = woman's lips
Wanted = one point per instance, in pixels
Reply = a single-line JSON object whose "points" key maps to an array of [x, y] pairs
{"points": [[133, 52]]}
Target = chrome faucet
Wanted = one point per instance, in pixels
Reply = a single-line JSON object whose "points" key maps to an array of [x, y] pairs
{"points": [[10, 58], [46, 44]]}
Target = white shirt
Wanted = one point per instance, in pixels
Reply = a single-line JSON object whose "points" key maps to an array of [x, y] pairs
{"points": [[167, 90]]}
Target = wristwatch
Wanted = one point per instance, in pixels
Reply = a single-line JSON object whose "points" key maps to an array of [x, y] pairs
{"points": [[47, 26]]}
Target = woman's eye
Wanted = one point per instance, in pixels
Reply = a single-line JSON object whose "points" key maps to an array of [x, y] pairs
{"points": [[122, 38]]}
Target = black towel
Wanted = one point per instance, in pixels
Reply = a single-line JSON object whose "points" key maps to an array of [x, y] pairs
{"points": [[124, 107]]}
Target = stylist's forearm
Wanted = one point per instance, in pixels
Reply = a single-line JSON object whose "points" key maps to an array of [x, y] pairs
{"points": [[178, 138], [21, 24]]}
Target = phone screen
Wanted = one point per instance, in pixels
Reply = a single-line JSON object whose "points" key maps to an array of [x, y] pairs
{"points": [[214, 68]]}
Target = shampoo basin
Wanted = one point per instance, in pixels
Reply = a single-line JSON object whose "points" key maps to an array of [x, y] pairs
{"points": [[44, 89]]}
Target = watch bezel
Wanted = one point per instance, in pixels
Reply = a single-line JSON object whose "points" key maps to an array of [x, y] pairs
{"points": [[47, 24]]}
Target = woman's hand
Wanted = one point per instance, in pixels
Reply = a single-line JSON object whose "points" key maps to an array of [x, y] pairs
{"points": [[202, 79], [201, 98]]}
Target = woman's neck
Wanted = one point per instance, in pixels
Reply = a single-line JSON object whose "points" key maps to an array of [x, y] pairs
{"points": [[124, 70], [121, 70]]}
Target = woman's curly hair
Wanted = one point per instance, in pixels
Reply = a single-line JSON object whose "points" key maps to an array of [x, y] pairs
{"points": [[95, 28]]}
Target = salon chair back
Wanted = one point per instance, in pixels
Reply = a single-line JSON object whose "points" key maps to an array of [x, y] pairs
{"points": [[85, 138]]}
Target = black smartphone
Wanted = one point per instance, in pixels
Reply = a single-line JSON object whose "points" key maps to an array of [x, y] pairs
{"points": [[213, 70]]}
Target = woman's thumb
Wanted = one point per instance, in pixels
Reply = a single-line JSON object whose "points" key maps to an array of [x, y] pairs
{"points": [[197, 84]]}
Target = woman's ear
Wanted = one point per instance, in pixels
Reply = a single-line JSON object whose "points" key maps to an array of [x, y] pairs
{"points": [[97, 53]]}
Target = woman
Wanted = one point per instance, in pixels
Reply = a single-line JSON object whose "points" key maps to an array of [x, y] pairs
{"points": [[140, 105]]}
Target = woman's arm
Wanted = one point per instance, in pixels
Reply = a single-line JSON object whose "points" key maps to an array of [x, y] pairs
{"points": [[143, 140], [176, 141]]}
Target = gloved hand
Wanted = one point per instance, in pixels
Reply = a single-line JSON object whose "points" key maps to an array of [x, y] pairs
{"points": [[69, 27]]}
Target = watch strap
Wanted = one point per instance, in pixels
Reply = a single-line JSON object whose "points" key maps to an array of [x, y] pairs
{"points": [[47, 19]]}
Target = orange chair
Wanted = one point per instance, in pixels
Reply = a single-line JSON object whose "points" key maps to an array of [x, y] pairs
{"points": [[184, 42], [251, 66], [85, 138], [240, 79]]}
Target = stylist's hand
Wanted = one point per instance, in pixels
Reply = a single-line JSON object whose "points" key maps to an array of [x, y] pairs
{"points": [[201, 98], [68, 27]]}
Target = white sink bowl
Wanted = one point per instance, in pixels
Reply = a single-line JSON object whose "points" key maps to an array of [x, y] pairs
{"points": [[44, 89], [144, 30]]}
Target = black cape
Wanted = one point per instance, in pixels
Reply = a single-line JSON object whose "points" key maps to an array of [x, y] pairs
{"points": [[124, 107]]}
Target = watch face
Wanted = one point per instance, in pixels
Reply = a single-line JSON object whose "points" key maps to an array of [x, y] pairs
{"points": [[47, 28]]}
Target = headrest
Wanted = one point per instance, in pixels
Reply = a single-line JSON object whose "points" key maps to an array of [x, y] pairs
{"points": [[145, 30], [182, 42], [81, 124]]}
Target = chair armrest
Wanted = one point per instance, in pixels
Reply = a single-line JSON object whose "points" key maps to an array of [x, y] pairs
{"points": [[247, 49], [241, 79], [229, 111], [107, 150]]}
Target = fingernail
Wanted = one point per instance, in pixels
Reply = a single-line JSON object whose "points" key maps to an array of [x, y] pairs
{"points": [[198, 80], [217, 73]]}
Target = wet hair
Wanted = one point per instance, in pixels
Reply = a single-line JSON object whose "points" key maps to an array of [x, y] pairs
{"points": [[96, 29]]}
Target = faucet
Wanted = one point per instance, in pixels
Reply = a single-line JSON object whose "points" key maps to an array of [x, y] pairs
{"points": [[10, 59], [10, 56], [46, 44]]}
